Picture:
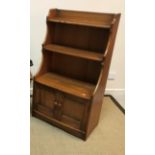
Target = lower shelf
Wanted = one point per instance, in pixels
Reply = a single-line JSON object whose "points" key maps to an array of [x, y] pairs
{"points": [[67, 85]]}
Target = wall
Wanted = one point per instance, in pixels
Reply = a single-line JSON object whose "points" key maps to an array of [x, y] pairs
{"points": [[39, 10]]}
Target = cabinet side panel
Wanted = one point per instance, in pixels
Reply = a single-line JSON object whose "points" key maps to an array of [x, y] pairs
{"points": [[94, 115], [100, 88]]}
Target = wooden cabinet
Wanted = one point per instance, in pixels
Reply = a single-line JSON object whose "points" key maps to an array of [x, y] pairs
{"points": [[69, 87]]}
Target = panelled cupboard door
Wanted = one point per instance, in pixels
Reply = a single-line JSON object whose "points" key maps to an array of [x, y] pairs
{"points": [[44, 99], [75, 110]]}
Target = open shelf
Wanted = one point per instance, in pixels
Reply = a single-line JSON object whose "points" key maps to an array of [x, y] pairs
{"points": [[67, 85], [74, 52], [82, 22]]}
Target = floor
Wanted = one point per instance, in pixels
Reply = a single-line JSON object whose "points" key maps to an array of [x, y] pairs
{"points": [[107, 139]]}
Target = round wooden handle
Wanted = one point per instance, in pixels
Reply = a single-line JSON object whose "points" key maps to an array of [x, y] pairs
{"points": [[55, 103]]}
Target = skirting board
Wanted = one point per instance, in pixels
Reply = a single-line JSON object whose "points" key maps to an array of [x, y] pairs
{"points": [[118, 94], [31, 91]]}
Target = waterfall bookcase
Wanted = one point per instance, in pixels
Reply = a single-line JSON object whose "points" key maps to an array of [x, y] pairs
{"points": [[69, 88]]}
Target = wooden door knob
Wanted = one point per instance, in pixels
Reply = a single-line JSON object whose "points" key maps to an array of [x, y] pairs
{"points": [[55, 103]]}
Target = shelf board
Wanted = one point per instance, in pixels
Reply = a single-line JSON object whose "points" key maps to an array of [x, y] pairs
{"points": [[67, 85], [75, 52], [81, 22]]}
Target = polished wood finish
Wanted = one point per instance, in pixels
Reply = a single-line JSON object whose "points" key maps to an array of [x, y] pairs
{"points": [[81, 18], [68, 85], [77, 51]]}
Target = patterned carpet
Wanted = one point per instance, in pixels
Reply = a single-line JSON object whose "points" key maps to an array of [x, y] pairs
{"points": [[107, 139]]}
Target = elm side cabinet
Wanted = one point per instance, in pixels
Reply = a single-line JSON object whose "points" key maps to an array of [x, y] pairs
{"points": [[69, 87]]}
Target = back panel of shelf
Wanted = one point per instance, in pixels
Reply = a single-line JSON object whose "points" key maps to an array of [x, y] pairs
{"points": [[81, 37], [73, 67]]}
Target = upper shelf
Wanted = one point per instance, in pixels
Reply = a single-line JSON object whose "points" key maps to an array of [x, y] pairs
{"points": [[82, 22], [75, 52], [99, 20]]}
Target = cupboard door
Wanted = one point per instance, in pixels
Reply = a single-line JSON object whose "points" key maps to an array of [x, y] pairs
{"points": [[74, 111], [44, 99]]}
